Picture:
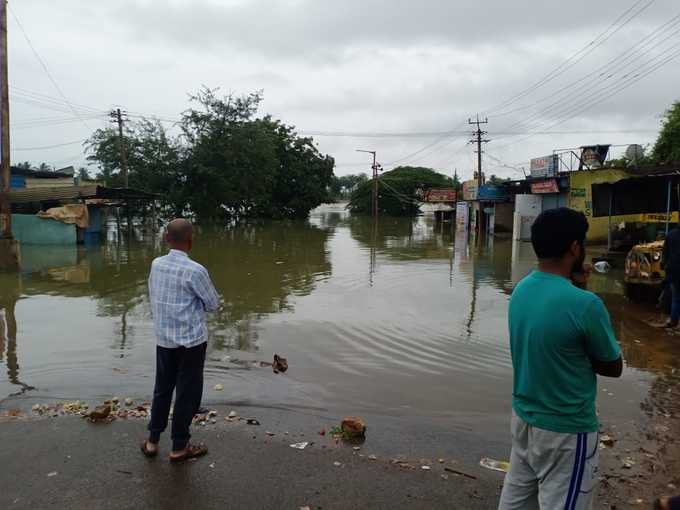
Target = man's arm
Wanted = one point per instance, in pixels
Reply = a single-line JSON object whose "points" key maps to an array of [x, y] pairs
{"points": [[600, 342], [205, 290]]}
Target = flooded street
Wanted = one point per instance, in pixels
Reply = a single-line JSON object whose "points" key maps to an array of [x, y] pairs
{"points": [[406, 322]]}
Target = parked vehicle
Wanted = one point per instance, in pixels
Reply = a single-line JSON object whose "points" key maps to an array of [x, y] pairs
{"points": [[644, 277]]}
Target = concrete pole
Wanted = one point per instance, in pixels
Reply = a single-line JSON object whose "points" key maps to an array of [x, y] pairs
{"points": [[5, 172]]}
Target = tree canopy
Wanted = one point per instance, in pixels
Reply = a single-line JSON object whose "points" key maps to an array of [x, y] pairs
{"points": [[227, 163], [667, 146], [398, 191]]}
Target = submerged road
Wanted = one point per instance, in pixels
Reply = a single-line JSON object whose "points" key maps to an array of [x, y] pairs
{"points": [[69, 463]]}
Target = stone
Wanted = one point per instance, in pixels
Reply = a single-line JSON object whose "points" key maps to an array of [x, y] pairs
{"points": [[353, 427]]}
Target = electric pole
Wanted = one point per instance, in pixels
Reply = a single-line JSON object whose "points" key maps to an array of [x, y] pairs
{"points": [[5, 171], [117, 116], [375, 167], [479, 140]]}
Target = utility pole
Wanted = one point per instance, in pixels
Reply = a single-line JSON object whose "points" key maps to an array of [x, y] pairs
{"points": [[375, 167], [117, 116], [5, 172], [479, 140], [9, 247]]}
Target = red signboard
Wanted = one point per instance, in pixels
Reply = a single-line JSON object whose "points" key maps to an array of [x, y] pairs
{"points": [[549, 186], [440, 195]]}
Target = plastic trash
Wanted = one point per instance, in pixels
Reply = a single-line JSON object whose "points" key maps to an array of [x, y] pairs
{"points": [[300, 446], [495, 465], [602, 267]]}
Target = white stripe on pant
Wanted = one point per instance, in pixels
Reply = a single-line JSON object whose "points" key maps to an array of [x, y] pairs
{"points": [[550, 470]]}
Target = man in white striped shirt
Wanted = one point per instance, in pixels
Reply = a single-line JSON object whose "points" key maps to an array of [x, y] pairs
{"points": [[180, 293]]}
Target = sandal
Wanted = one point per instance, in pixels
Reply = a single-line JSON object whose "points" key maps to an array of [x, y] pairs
{"points": [[190, 452], [147, 453]]}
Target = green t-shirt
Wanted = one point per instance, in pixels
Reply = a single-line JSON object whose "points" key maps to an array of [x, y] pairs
{"points": [[555, 330]]}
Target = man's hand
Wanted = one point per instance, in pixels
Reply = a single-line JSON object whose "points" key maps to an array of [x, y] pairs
{"points": [[580, 278]]}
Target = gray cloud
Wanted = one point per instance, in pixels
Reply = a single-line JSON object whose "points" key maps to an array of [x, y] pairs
{"points": [[374, 65]]}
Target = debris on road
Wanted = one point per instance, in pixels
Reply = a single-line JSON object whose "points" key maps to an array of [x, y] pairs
{"points": [[51, 474], [300, 446], [280, 364], [353, 427], [252, 421], [337, 464], [495, 465], [219, 387], [607, 441], [426, 468], [232, 415], [628, 463], [128, 401], [372, 457], [461, 473]]}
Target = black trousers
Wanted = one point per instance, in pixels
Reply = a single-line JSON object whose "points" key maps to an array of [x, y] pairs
{"points": [[179, 370]]}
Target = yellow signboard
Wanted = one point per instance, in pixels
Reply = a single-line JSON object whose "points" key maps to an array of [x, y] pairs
{"points": [[660, 217]]}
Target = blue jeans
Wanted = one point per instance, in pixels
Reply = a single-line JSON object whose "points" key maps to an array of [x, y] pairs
{"points": [[675, 302]]}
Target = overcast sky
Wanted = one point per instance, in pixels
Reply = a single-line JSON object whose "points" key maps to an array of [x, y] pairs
{"points": [[355, 67]]}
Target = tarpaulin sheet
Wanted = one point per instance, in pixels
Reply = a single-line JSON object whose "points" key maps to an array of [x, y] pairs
{"points": [[69, 214]]}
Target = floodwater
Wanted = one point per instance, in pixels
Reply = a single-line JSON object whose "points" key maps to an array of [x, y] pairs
{"points": [[406, 319]]}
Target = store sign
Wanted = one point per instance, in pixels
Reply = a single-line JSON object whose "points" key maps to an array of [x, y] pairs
{"points": [[660, 218], [440, 195], [470, 190], [544, 167], [578, 192], [549, 186], [492, 193]]}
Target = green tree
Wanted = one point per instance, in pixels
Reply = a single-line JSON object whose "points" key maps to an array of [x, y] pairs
{"points": [[399, 191], [226, 164], [667, 146], [342, 187]]}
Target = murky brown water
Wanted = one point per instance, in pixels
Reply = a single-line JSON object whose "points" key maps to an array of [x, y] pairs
{"points": [[407, 319]]}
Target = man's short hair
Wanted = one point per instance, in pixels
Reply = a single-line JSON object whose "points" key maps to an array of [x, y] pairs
{"points": [[555, 230], [179, 230]]}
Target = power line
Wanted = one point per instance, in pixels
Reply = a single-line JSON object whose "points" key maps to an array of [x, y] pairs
{"points": [[45, 147], [607, 93], [587, 84], [45, 68], [578, 56]]}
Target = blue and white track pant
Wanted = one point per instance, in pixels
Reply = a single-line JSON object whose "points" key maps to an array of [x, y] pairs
{"points": [[550, 470]]}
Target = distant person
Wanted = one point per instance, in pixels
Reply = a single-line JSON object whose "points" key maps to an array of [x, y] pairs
{"points": [[180, 292], [671, 264], [560, 338]]}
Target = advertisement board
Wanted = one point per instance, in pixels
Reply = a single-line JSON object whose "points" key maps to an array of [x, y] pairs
{"points": [[546, 166], [549, 186], [470, 190], [462, 216], [440, 195]]}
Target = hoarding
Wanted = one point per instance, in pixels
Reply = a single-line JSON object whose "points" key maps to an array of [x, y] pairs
{"points": [[593, 156], [547, 166], [462, 216], [470, 190], [492, 193], [549, 186], [440, 195]]}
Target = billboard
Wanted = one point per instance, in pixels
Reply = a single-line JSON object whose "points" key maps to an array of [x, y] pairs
{"points": [[549, 186], [492, 193], [470, 190], [440, 195], [593, 156], [547, 166]]}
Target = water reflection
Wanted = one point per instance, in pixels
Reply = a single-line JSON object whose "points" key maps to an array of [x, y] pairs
{"points": [[399, 316]]}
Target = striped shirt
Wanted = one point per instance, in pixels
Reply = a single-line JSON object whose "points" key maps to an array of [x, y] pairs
{"points": [[180, 292]]}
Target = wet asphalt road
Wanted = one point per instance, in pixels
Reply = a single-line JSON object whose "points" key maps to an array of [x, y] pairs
{"points": [[100, 466]]}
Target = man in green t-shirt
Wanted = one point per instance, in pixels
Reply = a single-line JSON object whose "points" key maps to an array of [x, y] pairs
{"points": [[560, 339]]}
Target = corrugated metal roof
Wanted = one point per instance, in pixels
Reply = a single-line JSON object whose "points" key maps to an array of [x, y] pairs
{"points": [[26, 195]]}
